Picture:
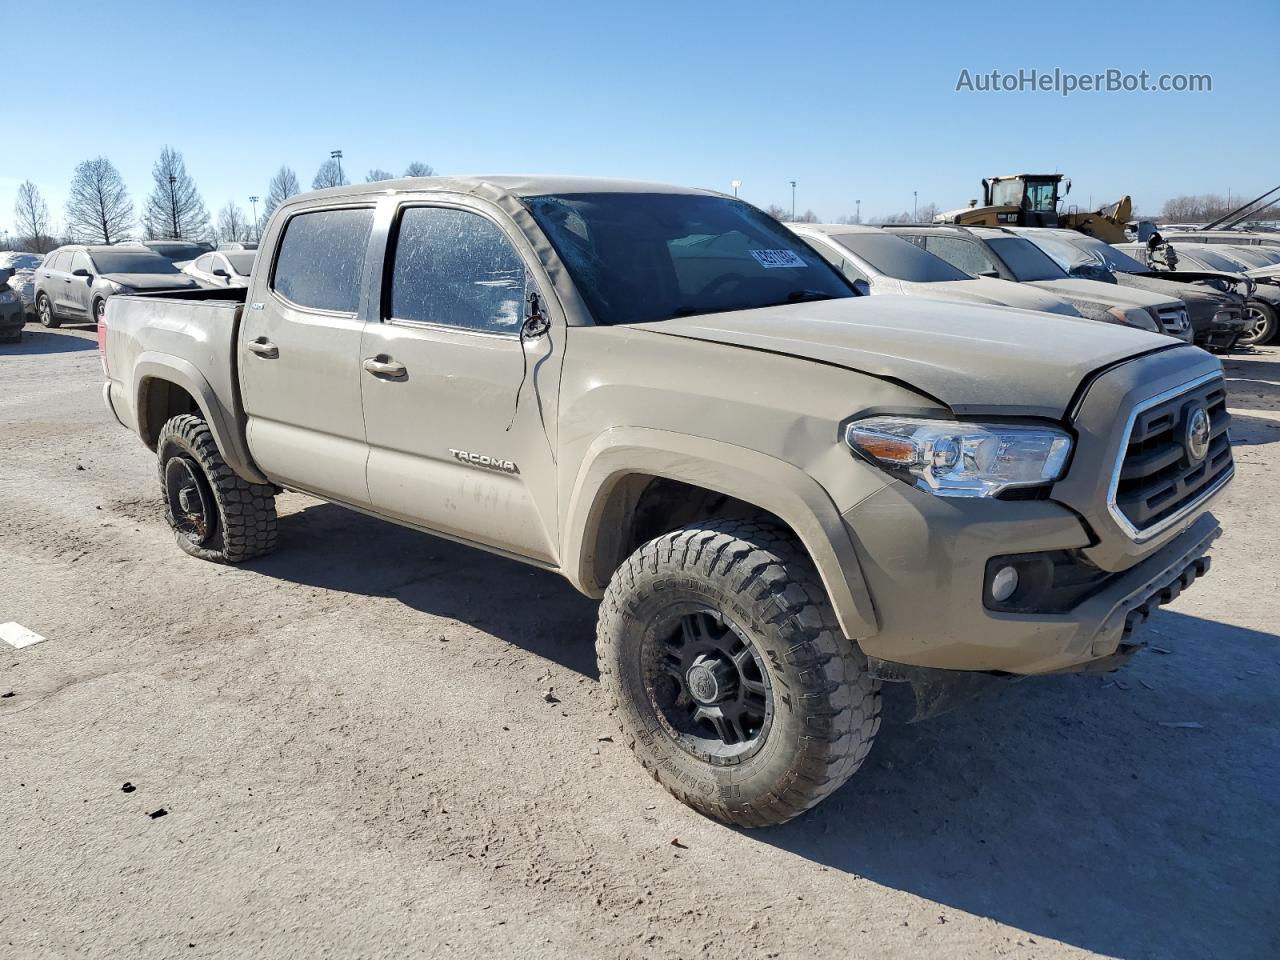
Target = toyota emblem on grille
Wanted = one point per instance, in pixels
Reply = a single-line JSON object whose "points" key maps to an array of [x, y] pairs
{"points": [[1197, 441]]}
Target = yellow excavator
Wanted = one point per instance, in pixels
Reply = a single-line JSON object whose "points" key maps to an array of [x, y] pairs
{"points": [[1031, 200]]}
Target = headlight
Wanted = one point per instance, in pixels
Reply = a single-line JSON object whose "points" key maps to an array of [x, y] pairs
{"points": [[1135, 317], [953, 459]]}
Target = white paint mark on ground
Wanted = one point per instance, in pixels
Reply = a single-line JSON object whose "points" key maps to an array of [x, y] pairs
{"points": [[18, 636]]}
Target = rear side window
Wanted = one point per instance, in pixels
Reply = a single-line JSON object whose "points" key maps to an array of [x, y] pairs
{"points": [[321, 259], [457, 269], [58, 261]]}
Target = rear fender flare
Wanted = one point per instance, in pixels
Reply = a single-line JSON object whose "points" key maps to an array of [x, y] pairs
{"points": [[151, 367]]}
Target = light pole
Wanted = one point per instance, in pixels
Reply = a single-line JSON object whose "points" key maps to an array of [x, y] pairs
{"points": [[858, 215], [793, 200], [337, 155], [914, 205], [173, 207], [736, 184], [254, 201]]}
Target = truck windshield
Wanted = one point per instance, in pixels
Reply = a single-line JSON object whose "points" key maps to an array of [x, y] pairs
{"points": [[1025, 260], [131, 261], [898, 258], [637, 258]]}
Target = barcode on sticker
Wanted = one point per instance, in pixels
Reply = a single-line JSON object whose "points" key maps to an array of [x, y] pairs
{"points": [[769, 259]]}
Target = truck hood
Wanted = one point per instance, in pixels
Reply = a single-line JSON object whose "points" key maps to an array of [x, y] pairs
{"points": [[1111, 294], [972, 358], [151, 281], [997, 292]]}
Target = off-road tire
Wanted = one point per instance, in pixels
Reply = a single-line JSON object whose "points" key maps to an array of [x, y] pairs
{"points": [[1265, 329], [45, 314], [246, 512], [826, 705]]}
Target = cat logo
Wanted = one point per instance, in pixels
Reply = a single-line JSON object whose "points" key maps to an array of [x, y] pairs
{"points": [[487, 463]]}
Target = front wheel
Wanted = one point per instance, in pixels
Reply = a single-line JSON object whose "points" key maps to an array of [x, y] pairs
{"points": [[729, 674], [215, 514], [1260, 326], [99, 311], [44, 312]]}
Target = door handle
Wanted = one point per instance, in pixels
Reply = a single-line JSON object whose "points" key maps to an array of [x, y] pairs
{"points": [[386, 369], [264, 348]]}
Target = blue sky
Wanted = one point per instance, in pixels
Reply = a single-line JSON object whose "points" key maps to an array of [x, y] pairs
{"points": [[853, 101]]}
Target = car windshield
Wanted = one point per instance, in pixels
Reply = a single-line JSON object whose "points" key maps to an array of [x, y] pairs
{"points": [[898, 258], [641, 257], [1025, 260], [241, 263], [179, 251], [1210, 259], [1251, 256], [130, 261]]}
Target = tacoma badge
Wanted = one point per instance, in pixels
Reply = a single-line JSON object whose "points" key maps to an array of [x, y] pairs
{"points": [[480, 460]]}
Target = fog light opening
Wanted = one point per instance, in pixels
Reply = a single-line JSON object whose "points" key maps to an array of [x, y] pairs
{"points": [[1003, 584]]}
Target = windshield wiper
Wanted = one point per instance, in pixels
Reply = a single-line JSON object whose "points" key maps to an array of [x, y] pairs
{"points": [[803, 296]]}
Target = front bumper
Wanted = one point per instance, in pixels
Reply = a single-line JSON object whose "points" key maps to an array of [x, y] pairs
{"points": [[924, 559]]}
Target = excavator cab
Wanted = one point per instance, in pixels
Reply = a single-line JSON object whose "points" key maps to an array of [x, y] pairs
{"points": [[1025, 199]]}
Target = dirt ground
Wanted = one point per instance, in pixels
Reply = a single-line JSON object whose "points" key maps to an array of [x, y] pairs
{"points": [[355, 757]]}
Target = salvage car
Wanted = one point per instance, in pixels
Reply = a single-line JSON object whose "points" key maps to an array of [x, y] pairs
{"points": [[222, 269], [1261, 286], [1000, 253], [889, 264], [12, 315], [1214, 307], [23, 279], [782, 492], [74, 282]]}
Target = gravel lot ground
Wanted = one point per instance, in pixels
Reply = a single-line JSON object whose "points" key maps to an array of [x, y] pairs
{"points": [[352, 746]]}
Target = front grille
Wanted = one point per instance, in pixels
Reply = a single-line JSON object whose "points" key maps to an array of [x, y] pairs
{"points": [[1173, 320], [1157, 480]]}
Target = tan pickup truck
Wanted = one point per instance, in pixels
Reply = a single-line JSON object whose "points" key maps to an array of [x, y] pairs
{"points": [[784, 493]]}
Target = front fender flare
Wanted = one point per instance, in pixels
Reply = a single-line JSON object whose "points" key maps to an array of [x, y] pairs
{"points": [[757, 478], [227, 434]]}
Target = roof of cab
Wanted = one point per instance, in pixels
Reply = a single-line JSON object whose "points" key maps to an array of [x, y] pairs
{"points": [[528, 185]]}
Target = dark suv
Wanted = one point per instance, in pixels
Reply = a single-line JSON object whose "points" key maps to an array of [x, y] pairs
{"points": [[74, 282]]}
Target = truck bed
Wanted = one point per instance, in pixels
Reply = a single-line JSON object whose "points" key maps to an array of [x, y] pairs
{"points": [[187, 338]]}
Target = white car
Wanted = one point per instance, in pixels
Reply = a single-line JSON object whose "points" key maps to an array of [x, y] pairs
{"points": [[223, 268], [890, 264]]}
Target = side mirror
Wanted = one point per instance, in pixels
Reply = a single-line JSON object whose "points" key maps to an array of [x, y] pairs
{"points": [[81, 272], [862, 288], [219, 272]]}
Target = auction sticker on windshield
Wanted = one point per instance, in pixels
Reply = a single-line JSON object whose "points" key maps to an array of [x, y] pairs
{"points": [[777, 258]]}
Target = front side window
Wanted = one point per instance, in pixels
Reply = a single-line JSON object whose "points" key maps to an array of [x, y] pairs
{"points": [[899, 259], [81, 262], [644, 257], [1025, 260], [321, 260], [456, 268], [964, 255]]}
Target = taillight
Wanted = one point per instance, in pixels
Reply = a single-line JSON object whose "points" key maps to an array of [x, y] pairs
{"points": [[102, 343]]}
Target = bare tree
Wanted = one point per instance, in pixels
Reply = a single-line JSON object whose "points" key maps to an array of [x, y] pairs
{"points": [[377, 174], [329, 175], [174, 208], [233, 225], [777, 212], [32, 219], [807, 217], [98, 209], [419, 169], [282, 186]]}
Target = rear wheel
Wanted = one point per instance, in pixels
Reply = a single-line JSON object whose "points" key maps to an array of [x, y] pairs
{"points": [[215, 514], [1260, 324], [729, 674], [44, 312]]}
